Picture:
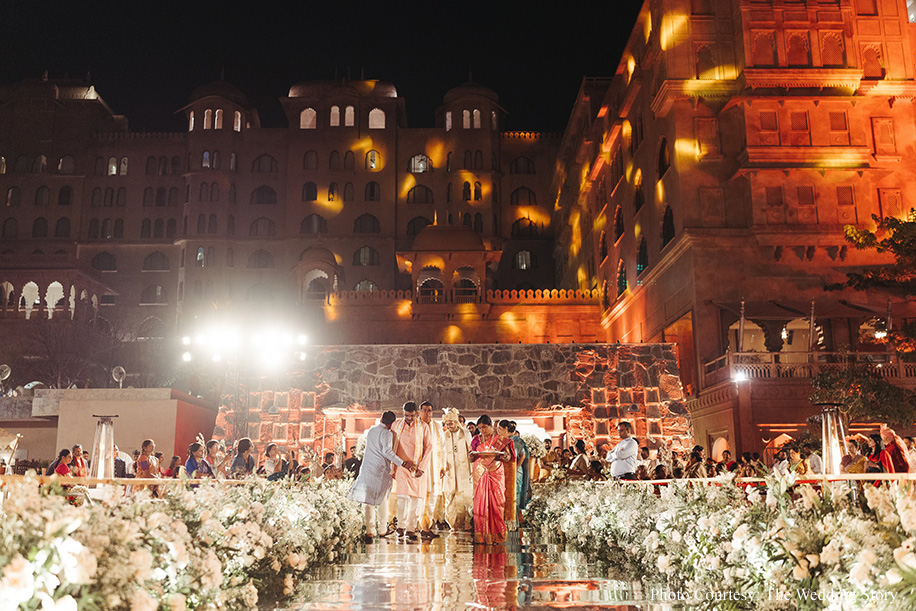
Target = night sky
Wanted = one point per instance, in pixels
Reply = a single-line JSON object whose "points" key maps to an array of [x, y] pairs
{"points": [[145, 58]]}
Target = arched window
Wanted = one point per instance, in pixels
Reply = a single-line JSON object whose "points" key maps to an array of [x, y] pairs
{"points": [[419, 164], [204, 192], [373, 160], [332, 192], [105, 262], [218, 122], [366, 256], [119, 228], [212, 224], [478, 191], [621, 279], [523, 196], [214, 160], [366, 286], [416, 225], [764, 49], [171, 228], [478, 160], [308, 119], [366, 223], [40, 165], [431, 291], [667, 226], [42, 196], [310, 161], [313, 224], [264, 163], [466, 191], [64, 166], [230, 225], [214, 192], [158, 227], [65, 196], [468, 160], [373, 192], [348, 192], [309, 192], [201, 223], [872, 63], [40, 228], [153, 295], [521, 165], [237, 121], [664, 158], [349, 116], [420, 195], [478, 223], [96, 198], [602, 247], [523, 260], [13, 196], [334, 161], [466, 119], [233, 194], [201, 260], [176, 165], [10, 228], [618, 224], [146, 229], [448, 120], [798, 51], [208, 119], [233, 162], [263, 195], [191, 121], [173, 197], [705, 62], [211, 258], [524, 228], [642, 257], [494, 122], [148, 197], [476, 117], [112, 166], [349, 160], [150, 166], [62, 228], [262, 227], [833, 50], [108, 200], [335, 116], [376, 118], [156, 262], [260, 259]]}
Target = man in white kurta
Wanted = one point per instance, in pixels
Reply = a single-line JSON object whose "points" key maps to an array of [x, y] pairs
{"points": [[373, 485], [411, 442], [432, 512], [455, 474]]}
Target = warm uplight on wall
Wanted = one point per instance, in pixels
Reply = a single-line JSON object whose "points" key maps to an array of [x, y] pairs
{"points": [[454, 335], [404, 309], [686, 148], [631, 67], [674, 26], [659, 192]]}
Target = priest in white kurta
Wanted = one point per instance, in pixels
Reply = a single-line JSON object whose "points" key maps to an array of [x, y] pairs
{"points": [[455, 474], [432, 512], [373, 485]]}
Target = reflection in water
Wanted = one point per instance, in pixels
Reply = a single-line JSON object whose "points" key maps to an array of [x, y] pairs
{"points": [[451, 574]]}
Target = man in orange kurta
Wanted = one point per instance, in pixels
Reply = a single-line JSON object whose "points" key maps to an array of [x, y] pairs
{"points": [[411, 442]]}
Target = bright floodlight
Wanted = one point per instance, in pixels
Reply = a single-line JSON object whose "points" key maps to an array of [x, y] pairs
{"points": [[740, 376], [302, 340], [217, 358], [186, 340], [186, 357]]}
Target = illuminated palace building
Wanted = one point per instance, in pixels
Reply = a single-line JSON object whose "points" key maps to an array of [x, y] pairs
{"points": [[349, 223], [718, 166], [710, 176]]}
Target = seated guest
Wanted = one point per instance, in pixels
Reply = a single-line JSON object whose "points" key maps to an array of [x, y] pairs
{"points": [[597, 471], [274, 466], [172, 471], [696, 468], [196, 467], [63, 463], [642, 473], [120, 467], [243, 463], [579, 468], [660, 472]]}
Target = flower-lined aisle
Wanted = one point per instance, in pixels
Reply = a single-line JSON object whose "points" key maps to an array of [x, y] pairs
{"points": [[213, 547], [721, 547]]}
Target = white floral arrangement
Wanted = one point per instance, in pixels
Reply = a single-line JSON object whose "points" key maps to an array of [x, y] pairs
{"points": [[213, 547], [535, 445], [754, 549]]}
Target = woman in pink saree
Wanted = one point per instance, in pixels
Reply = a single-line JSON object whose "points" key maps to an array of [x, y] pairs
{"points": [[489, 451]]}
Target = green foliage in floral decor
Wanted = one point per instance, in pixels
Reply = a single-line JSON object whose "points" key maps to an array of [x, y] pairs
{"points": [[214, 547], [789, 547]]}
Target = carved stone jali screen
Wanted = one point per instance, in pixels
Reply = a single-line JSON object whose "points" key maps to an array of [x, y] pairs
{"points": [[582, 390]]}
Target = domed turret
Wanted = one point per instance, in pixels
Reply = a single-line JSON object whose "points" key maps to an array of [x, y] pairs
{"points": [[221, 89], [470, 90], [324, 89], [442, 238]]}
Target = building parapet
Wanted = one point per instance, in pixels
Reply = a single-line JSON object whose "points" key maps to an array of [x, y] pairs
{"points": [[119, 136], [528, 135], [551, 296], [373, 297]]}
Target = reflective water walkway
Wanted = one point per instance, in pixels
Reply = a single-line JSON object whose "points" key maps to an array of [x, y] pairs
{"points": [[450, 573]]}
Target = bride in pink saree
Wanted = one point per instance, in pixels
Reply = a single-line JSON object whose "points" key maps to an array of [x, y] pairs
{"points": [[489, 451]]}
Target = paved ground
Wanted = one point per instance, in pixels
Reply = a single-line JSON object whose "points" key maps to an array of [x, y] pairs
{"points": [[450, 573]]}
